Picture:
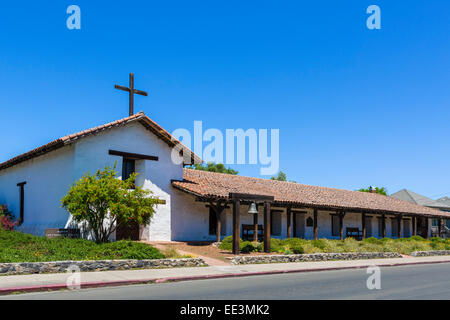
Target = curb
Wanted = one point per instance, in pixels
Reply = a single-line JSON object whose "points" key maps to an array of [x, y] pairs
{"points": [[86, 285]]}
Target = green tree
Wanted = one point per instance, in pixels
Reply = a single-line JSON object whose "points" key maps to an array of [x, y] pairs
{"points": [[103, 201], [281, 176], [381, 190], [214, 167]]}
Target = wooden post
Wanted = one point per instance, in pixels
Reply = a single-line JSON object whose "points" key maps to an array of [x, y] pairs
{"points": [[439, 226], [341, 225], [266, 226], [383, 225], [414, 225], [427, 226], [363, 225], [294, 223], [315, 223], [288, 222], [255, 227], [399, 221], [218, 223], [236, 223]]}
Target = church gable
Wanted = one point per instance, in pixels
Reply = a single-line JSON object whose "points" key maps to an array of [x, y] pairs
{"points": [[140, 118]]}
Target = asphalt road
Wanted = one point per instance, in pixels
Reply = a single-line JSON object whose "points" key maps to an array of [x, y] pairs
{"points": [[430, 281]]}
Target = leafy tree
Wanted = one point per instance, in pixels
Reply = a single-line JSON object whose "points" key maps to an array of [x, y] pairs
{"points": [[104, 201], [214, 167], [381, 190], [281, 176]]}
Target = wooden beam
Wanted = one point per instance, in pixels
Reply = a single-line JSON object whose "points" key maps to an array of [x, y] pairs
{"points": [[255, 227], [383, 225], [267, 227], [251, 197], [288, 222], [363, 225], [399, 221], [341, 225], [133, 156], [294, 223], [414, 225], [427, 225], [439, 226], [236, 228], [315, 225]]}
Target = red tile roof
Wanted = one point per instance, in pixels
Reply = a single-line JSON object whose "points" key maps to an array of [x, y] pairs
{"points": [[218, 185], [138, 117]]}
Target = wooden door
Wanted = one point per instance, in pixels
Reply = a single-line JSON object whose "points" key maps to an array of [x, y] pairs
{"points": [[127, 231], [299, 224]]}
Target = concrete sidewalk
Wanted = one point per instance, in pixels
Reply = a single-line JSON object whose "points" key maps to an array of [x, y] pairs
{"points": [[43, 282]]}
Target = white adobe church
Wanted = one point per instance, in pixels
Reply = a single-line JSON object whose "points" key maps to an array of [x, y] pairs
{"points": [[199, 205]]}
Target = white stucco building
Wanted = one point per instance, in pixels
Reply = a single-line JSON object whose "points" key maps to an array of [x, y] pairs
{"points": [[197, 203]]}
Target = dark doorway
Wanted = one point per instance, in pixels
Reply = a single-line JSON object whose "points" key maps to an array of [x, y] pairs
{"points": [[422, 227], [127, 231]]}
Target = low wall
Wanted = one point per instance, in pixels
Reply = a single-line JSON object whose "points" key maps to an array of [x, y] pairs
{"points": [[430, 253], [94, 265], [313, 257]]}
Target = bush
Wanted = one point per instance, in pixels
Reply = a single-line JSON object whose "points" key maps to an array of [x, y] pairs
{"points": [[248, 246], [372, 240], [19, 247], [418, 238], [104, 201], [6, 223]]}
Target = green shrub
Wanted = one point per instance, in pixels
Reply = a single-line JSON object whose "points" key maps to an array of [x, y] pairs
{"points": [[372, 240], [19, 247], [248, 246], [418, 238]]}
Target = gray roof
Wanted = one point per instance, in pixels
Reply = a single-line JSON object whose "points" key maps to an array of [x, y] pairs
{"points": [[412, 197], [444, 200]]}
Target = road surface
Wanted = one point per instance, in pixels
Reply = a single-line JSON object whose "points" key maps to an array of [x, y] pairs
{"points": [[430, 281]]}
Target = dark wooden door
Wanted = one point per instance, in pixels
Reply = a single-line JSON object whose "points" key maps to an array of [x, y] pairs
{"points": [[127, 231], [422, 227]]}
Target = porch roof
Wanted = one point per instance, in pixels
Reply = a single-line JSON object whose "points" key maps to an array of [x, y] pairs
{"points": [[211, 185]]}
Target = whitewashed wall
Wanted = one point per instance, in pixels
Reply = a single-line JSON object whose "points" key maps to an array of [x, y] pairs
{"points": [[48, 178], [91, 154]]}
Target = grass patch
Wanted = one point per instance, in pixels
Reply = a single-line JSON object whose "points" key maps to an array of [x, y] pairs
{"points": [[296, 245], [20, 247]]}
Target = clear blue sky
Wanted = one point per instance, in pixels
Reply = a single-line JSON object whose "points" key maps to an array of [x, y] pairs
{"points": [[355, 107]]}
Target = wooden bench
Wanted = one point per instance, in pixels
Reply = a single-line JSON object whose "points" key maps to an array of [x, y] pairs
{"points": [[247, 232], [353, 233]]}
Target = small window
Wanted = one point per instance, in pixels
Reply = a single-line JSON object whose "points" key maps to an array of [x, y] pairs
{"points": [[128, 167], [212, 221], [309, 222], [434, 222], [335, 228], [275, 223]]}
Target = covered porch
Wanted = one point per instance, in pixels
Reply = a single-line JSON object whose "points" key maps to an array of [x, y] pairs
{"points": [[286, 210]]}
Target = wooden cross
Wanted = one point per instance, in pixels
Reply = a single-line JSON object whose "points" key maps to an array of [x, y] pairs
{"points": [[131, 90]]}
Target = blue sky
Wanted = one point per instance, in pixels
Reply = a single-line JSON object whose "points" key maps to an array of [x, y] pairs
{"points": [[355, 107]]}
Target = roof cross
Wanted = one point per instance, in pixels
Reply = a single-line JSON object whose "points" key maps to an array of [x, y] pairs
{"points": [[131, 90]]}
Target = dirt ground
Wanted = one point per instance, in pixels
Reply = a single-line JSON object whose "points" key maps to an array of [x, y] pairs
{"points": [[202, 249]]}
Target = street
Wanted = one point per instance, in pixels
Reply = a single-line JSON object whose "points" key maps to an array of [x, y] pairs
{"points": [[430, 281]]}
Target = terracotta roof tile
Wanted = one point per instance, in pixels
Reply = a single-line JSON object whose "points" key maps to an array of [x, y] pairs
{"points": [[217, 185], [58, 143]]}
